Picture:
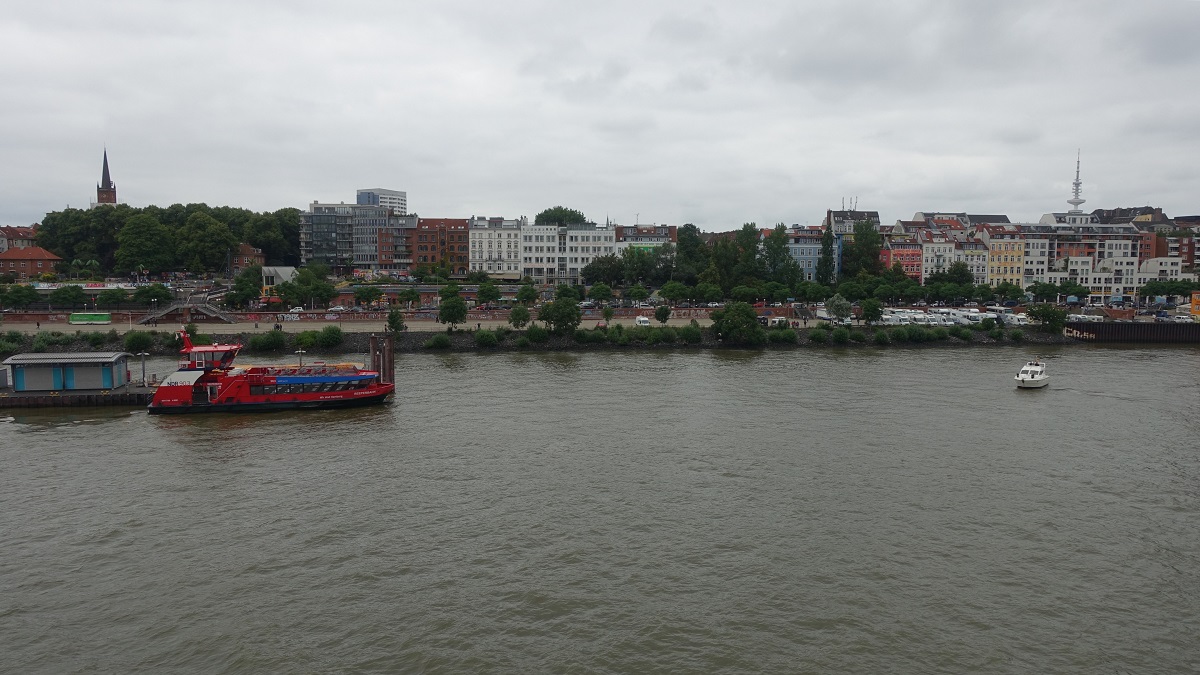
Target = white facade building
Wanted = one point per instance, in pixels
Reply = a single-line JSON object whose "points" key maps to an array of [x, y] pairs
{"points": [[555, 254], [496, 246]]}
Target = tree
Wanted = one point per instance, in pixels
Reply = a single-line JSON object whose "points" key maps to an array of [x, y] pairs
{"points": [[872, 310], [365, 295], [838, 307], [637, 263], [863, 253], [203, 242], [780, 266], [147, 294], [738, 324], [674, 291], [111, 297], [409, 296], [749, 268], [1043, 291], [395, 321], [527, 294], [662, 314], [309, 287], [691, 255], [519, 316], [709, 293], [607, 313], [744, 293], [606, 269], [247, 287], [958, 273], [452, 311], [559, 215], [561, 316], [478, 277], [600, 292], [566, 292], [145, 244], [448, 291], [826, 264], [1053, 319], [67, 296], [638, 293], [488, 293], [20, 296]]}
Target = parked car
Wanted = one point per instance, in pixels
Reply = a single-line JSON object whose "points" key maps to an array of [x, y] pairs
{"points": [[296, 309], [337, 308], [641, 321]]}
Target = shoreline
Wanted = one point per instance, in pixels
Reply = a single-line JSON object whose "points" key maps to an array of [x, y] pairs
{"points": [[108, 338]]}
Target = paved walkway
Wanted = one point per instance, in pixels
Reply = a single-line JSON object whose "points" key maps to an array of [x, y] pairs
{"points": [[290, 327]]}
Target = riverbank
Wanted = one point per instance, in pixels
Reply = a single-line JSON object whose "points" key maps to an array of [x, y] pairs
{"points": [[501, 339]]}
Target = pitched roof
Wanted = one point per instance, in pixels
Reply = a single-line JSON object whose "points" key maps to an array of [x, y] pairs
{"points": [[28, 253]]}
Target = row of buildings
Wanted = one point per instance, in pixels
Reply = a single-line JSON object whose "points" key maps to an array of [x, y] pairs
{"points": [[371, 239], [1111, 252]]}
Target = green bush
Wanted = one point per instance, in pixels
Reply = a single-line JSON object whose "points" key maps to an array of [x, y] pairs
{"points": [[330, 337], [96, 339], [840, 336], [881, 337], [987, 324], [691, 334], [899, 335], [138, 341], [14, 336], [818, 336], [781, 336], [940, 333], [536, 333], [858, 336], [652, 337], [668, 335], [996, 334], [307, 339], [522, 342], [272, 341], [439, 341], [918, 334], [9, 347], [962, 333], [590, 337], [40, 342], [1016, 335], [502, 332], [486, 339]]}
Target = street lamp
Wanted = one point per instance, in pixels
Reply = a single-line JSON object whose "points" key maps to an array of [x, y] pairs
{"points": [[300, 352], [143, 355]]}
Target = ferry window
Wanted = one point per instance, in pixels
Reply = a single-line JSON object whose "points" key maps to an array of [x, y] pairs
{"points": [[256, 390]]}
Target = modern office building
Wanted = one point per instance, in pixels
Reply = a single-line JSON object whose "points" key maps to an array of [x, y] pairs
{"points": [[396, 200]]}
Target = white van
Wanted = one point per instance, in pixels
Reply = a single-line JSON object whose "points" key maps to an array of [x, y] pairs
{"points": [[641, 321]]}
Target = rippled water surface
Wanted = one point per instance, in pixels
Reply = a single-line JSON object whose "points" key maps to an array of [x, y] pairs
{"points": [[809, 511]]}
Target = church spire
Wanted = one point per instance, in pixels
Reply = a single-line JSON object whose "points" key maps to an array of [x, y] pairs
{"points": [[1076, 189], [106, 189]]}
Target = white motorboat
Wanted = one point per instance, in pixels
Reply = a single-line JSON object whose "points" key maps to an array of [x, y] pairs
{"points": [[1033, 375]]}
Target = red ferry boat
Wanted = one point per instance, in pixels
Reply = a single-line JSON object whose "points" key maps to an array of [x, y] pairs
{"points": [[208, 381]]}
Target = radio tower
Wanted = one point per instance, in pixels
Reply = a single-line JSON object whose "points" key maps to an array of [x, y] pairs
{"points": [[1076, 189]]}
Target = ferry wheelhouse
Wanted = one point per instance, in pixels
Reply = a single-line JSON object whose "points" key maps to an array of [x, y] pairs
{"points": [[208, 381]]}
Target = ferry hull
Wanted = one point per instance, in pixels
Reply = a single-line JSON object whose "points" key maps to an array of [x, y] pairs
{"points": [[269, 406]]}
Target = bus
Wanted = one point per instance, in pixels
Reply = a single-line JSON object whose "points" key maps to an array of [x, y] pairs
{"points": [[90, 318]]}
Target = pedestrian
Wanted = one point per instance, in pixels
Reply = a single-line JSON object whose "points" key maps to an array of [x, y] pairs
{"points": [[478, 326], [39, 325]]}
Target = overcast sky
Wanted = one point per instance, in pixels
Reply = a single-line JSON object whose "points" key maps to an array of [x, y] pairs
{"points": [[663, 112]]}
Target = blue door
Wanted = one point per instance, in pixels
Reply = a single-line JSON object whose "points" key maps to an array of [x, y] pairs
{"points": [[19, 378], [106, 378], [56, 376], [69, 377]]}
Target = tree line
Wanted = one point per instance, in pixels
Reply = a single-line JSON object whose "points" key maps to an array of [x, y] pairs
{"points": [[195, 238]]}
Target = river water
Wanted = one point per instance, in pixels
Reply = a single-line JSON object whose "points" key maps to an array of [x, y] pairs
{"points": [[804, 511]]}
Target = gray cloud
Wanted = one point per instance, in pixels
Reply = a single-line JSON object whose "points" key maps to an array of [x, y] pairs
{"points": [[715, 114]]}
